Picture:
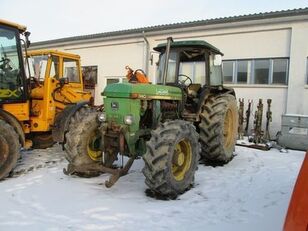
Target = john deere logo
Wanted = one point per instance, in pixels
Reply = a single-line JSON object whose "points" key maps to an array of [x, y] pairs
{"points": [[162, 92]]}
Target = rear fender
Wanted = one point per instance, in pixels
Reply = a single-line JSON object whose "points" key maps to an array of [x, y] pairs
{"points": [[62, 120], [11, 119]]}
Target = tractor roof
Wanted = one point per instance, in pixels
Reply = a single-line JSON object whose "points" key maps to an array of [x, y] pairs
{"points": [[21, 28], [189, 43], [52, 52]]}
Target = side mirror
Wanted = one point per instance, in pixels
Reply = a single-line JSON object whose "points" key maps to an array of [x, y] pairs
{"points": [[27, 34], [63, 81], [217, 60]]}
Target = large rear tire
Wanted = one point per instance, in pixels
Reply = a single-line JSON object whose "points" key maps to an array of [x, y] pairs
{"points": [[218, 129], [83, 141], [9, 149], [171, 158]]}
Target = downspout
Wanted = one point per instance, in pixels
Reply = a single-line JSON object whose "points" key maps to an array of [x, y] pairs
{"points": [[147, 52]]}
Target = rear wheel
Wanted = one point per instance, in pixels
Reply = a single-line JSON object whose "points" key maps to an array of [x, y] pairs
{"points": [[171, 158], [9, 149], [218, 128], [42, 140], [83, 141]]}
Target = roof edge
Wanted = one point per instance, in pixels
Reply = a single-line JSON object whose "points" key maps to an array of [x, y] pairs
{"points": [[239, 18]]}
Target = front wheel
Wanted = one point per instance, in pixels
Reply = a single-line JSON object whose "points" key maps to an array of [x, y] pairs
{"points": [[171, 158], [83, 141], [9, 149]]}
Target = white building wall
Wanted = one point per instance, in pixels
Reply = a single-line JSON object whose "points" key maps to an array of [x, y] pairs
{"points": [[244, 40], [111, 60], [297, 100]]}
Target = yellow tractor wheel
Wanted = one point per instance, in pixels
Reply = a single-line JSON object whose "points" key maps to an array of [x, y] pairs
{"points": [[218, 128], [171, 158], [83, 142]]}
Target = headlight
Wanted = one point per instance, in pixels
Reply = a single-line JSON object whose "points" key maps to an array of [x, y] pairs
{"points": [[101, 117], [128, 119]]}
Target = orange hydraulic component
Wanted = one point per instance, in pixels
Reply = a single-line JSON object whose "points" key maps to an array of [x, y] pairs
{"points": [[297, 216], [136, 76]]}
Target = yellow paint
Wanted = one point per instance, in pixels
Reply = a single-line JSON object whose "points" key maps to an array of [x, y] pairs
{"points": [[181, 160], [21, 28], [45, 101], [20, 110], [93, 151]]}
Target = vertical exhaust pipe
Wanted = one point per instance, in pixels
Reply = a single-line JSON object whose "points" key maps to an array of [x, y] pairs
{"points": [[165, 72]]}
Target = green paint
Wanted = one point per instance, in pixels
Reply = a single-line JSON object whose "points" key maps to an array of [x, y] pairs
{"points": [[144, 91]]}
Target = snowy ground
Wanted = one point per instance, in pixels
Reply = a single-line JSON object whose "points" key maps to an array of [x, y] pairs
{"points": [[252, 192]]}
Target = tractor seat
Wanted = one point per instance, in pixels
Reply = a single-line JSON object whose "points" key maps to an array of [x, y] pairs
{"points": [[193, 89]]}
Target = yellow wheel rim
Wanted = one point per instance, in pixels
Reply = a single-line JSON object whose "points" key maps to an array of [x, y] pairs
{"points": [[181, 160], [228, 128], [93, 147]]}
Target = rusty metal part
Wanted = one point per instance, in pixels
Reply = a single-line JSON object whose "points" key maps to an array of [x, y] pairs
{"points": [[258, 133], [168, 106], [97, 167], [248, 112], [241, 118], [122, 143], [268, 120], [264, 147]]}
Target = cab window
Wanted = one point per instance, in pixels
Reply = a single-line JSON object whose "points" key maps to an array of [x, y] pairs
{"points": [[70, 70]]}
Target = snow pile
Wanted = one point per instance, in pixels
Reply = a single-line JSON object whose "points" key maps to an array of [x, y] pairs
{"points": [[252, 192]]}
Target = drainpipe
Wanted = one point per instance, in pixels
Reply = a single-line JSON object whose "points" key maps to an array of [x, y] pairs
{"points": [[147, 51]]}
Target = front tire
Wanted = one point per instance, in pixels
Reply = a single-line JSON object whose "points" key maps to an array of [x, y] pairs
{"points": [[218, 129], [83, 141], [171, 158]]}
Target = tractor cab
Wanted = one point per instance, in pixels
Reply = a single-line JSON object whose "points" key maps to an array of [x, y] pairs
{"points": [[13, 87], [57, 71], [193, 66]]}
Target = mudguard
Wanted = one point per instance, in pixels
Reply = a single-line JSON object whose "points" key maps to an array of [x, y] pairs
{"points": [[11, 119], [62, 120], [297, 216]]}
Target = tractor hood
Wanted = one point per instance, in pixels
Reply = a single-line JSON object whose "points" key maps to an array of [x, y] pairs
{"points": [[142, 91]]}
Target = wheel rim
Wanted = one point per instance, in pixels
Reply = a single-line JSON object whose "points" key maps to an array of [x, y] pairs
{"points": [[181, 160], [93, 147], [228, 128], [4, 153]]}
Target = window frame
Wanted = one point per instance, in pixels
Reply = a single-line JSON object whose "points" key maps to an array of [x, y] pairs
{"points": [[251, 77]]}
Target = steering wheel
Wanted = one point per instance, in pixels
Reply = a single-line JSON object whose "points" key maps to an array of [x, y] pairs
{"points": [[185, 79], [5, 64]]}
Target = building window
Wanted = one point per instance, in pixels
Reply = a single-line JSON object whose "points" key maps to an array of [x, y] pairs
{"points": [[228, 71], [243, 71], [280, 67], [256, 71]]}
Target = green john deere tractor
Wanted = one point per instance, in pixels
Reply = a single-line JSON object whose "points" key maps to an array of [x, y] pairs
{"points": [[186, 117]]}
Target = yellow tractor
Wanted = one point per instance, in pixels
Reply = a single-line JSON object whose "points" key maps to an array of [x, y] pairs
{"points": [[35, 110]]}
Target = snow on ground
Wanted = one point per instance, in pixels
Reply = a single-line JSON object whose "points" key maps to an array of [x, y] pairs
{"points": [[252, 192]]}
